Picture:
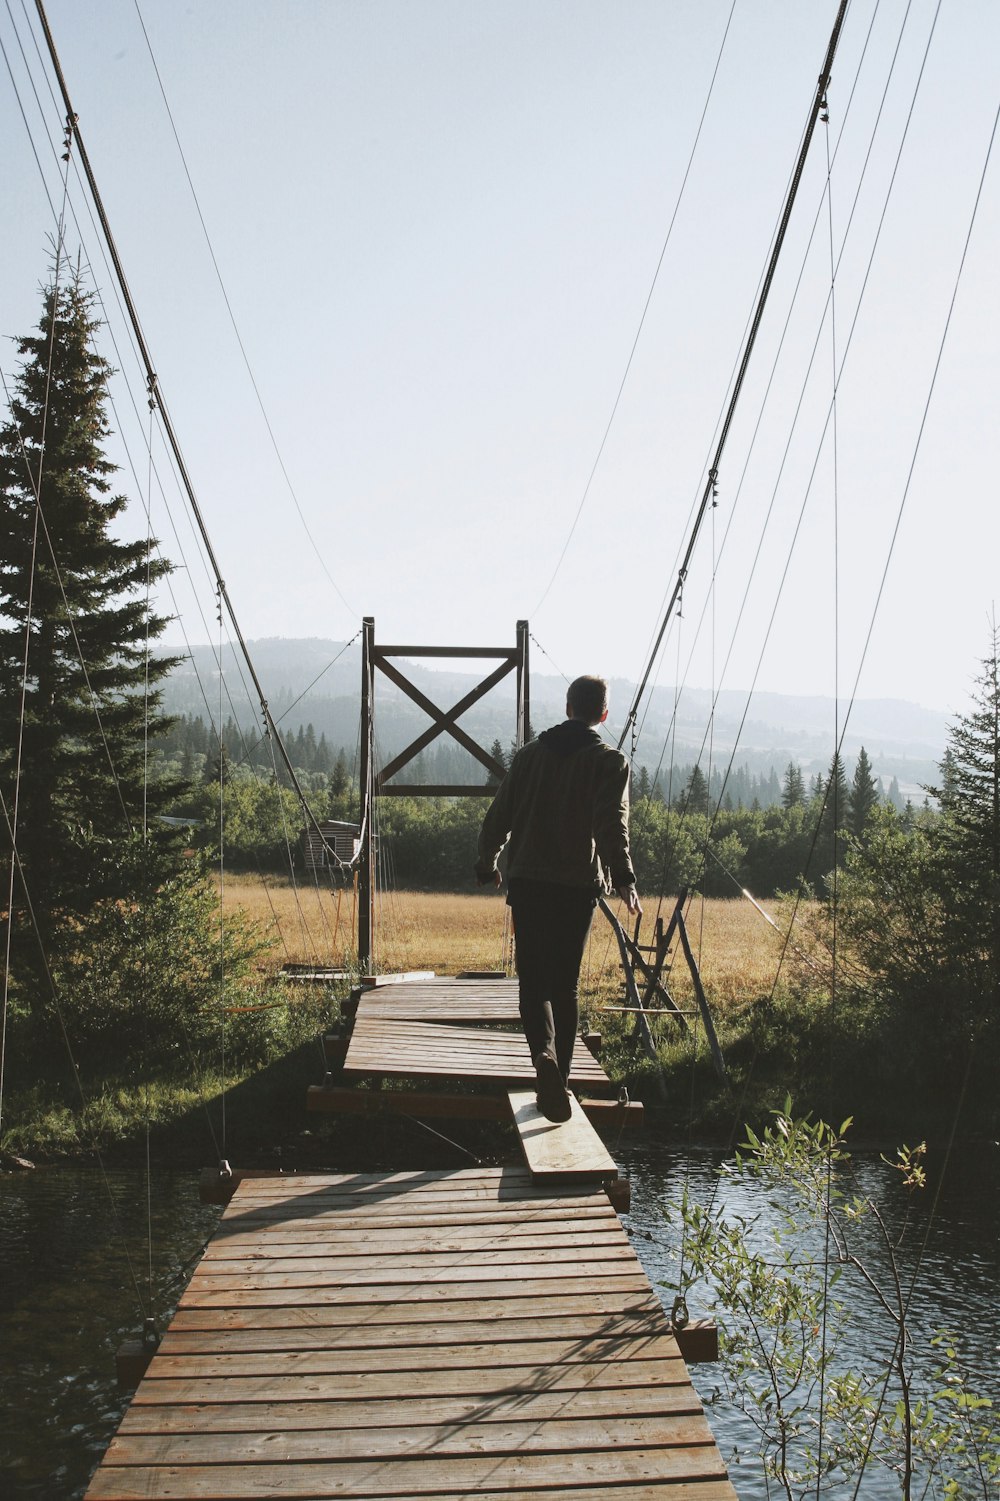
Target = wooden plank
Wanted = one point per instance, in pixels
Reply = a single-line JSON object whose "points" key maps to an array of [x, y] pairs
{"points": [[411, 1357], [447, 1382], [383, 1284], [504, 1239], [389, 1412], [427, 1475], [445, 1313], [465, 1439], [570, 1150], [580, 1332]]}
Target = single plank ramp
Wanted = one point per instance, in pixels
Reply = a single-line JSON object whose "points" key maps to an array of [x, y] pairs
{"points": [[515, 1389], [570, 1151]]}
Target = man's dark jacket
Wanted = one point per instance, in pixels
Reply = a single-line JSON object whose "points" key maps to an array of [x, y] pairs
{"points": [[564, 807]]}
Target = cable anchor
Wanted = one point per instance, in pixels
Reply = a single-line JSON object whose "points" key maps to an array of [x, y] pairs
{"points": [[679, 1315], [70, 126], [150, 1335]]}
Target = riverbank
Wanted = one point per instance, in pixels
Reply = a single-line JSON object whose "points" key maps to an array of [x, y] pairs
{"points": [[261, 1120]]}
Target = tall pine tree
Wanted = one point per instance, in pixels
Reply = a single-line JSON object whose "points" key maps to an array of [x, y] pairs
{"points": [[863, 795], [793, 792], [78, 686], [968, 837]]}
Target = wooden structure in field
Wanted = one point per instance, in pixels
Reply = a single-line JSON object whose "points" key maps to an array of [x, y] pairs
{"points": [[376, 783], [427, 1334], [328, 836]]}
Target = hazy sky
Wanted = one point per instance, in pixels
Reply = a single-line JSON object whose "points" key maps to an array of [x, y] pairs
{"points": [[437, 225]]}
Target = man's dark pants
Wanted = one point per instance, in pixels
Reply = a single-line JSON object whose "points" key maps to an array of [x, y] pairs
{"points": [[551, 924]]}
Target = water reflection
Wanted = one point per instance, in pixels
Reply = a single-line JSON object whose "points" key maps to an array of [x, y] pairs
{"points": [[75, 1283], [949, 1261]]}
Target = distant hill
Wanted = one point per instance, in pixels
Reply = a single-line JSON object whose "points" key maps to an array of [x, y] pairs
{"points": [[317, 682]]}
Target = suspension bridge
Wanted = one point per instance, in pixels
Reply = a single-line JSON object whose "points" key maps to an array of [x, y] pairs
{"points": [[432, 1333]]}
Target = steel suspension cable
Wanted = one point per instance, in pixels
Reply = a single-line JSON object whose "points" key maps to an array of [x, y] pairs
{"points": [[774, 370], [835, 787], [825, 429], [642, 319], [232, 318], [714, 466], [157, 396]]}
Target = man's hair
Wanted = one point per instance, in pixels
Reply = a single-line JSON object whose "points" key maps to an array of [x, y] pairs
{"points": [[588, 698]]}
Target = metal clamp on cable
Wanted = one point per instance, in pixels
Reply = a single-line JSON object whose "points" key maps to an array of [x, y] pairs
{"points": [[679, 1315]]}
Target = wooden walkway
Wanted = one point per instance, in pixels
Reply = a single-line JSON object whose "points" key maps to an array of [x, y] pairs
{"points": [[431, 1334], [449, 1029]]}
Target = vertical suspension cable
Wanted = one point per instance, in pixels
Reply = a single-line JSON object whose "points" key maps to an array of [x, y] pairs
{"points": [[222, 869], [836, 773], [147, 884]]}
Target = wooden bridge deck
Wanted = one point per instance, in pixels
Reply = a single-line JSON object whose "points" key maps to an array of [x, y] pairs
{"points": [[444, 1000], [443, 1028], [430, 1334]]}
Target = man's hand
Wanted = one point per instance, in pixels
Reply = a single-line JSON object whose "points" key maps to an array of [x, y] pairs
{"points": [[630, 897], [493, 879]]}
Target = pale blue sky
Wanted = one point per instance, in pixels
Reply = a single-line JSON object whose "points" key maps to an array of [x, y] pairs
{"points": [[438, 223]]}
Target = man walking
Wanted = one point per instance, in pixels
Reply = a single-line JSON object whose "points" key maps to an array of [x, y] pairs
{"points": [[563, 805]]}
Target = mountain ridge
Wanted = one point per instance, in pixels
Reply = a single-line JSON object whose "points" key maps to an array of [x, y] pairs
{"points": [[316, 680]]}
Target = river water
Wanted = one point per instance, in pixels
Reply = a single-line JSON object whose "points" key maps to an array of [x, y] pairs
{"points": [[75, 1273]]}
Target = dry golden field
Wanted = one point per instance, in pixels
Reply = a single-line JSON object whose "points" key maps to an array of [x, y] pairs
{"points": [[736, 948]]}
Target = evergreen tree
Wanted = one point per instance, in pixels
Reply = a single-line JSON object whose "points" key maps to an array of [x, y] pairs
{"points": [[863, 795], [498, 754], [695, 798], [793, 792], [340, 779], [969, 834], [73, 607], [834, 802]]}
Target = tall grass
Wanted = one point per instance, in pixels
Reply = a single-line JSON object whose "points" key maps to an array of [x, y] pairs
{"points": [[737, 950]]}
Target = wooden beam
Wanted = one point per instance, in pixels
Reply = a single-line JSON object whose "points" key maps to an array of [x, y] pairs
{"points": [[444, 721], [507, 652], [461, 789], [698, 1340], [339, 1100], [410, 1102]]}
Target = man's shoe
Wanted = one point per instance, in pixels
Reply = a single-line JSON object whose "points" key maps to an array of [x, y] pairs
{"points": [[553, 1100]]}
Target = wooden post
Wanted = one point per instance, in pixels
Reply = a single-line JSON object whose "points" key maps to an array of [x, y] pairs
{"points": [[523, 694], [699, 990], [641, 1020], [366, 785]]}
